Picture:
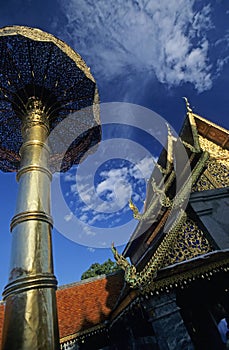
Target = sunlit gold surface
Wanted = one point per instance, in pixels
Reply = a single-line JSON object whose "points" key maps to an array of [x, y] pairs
{"points": [[216, 174], [190, 242], [185, 240], [158, 190], [158, 259], [30, 313], [141, 279]]}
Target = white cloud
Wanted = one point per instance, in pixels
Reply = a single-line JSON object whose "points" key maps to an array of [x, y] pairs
{"points": [[222, 45], [84, 218], [69, 177], [88, 231], [168, 38], [68, 217], [202, 20], [90, 249], [116, 188], [143, 168], [221, 63]]}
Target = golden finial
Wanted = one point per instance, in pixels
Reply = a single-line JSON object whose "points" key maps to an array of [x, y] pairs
{"points": [[189, 109], [133, 208], [123, 263], [170, 134], [169, 161], [196, 146]]}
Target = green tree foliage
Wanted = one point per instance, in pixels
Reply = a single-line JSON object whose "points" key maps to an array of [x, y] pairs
{"points": [[97, 269]]}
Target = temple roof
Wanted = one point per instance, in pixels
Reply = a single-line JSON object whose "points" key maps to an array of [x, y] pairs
{"points": [[194, 127], [212, 131], [86, 304], [83, 305]]}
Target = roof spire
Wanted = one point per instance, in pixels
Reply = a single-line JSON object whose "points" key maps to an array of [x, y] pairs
{"points": [[189, 109]]}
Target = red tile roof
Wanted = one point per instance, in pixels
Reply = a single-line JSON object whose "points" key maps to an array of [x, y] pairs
{"points": [[84, 304]]}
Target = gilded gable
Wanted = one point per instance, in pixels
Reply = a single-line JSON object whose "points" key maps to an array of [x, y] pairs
{"points": [[190, 242], [217, 173]]}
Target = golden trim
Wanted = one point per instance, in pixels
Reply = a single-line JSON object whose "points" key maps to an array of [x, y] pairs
{"points": [[156, 261], [216, 174], [159, 226], [34, 143], [190, 242], [28, 283], [39, 35], [29, 168], [214, 182], [216, 151], [195, 134], [184, 192], [31, 215], [211, 123], [159, 194], [196, 147], [170, 141], [139, 279], [81, 333], [188, 276]]}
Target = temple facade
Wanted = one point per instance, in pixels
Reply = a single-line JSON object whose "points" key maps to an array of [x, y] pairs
{"points": [[173, 290]]}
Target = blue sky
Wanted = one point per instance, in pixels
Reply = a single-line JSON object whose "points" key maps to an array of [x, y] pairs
{"points": [[144, 52]]}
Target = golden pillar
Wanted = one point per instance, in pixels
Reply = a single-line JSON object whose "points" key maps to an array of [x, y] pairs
{"points": [[30, 311], [42, 82]]}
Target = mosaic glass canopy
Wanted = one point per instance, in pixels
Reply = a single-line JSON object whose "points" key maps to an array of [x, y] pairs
{"points": [[36, 64]]}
